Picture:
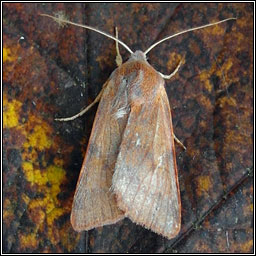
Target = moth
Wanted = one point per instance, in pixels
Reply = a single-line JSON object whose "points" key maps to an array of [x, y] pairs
{"points": [[129, 169]]}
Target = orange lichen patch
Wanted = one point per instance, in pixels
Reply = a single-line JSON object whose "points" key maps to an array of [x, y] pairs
{"points": [[66, 239], [25, 198], [233, 137], [105, 61], [214, 31], [194, 47], [226, 66], [224, 71], [58, 161], [37, 216], [205, 102], [28, 241], [204, 184], [221, 72], [227, 101], [204, 76], [11, 111], [242, 22], [247, 246], [8, 212]]}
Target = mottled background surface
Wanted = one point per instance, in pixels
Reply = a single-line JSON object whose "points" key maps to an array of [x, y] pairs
{"points": [[51, 71]]}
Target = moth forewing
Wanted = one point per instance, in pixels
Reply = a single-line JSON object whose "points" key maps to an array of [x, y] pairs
{"points": [[94, 205], [145, 178]]}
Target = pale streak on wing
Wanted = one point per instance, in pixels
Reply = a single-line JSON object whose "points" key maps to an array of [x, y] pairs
{"points": [[145, 178], [94, 204]]}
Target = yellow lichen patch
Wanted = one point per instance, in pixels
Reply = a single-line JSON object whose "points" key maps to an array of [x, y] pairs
{"points": [[11, 112], [53, 175], [56, 176], [46, 203], [28, 171], [53, 233], [46, 179], [7, 55], [45, 208], [28, 241], [40, 177], [53, 215], [34, 176], [204, 184], [37, 177], [38, 138]]}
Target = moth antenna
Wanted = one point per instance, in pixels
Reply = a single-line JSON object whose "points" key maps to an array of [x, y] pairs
{"points": [[183, 32], [60, 20]]}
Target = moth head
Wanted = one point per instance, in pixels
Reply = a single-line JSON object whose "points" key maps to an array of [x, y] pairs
{"points": [[138, 55]]}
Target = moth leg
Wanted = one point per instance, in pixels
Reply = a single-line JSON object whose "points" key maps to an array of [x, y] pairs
{"points": [[97, 99], [173, 73], [119, 60], [179, 142]]}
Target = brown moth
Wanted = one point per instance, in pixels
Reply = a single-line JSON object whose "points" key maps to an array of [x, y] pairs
{"points": [[129, 169]]}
